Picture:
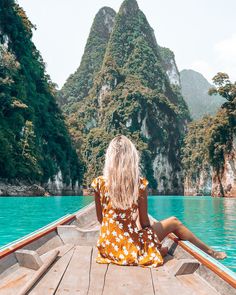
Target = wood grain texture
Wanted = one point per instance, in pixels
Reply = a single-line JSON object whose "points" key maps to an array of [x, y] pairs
{"points": [[197, 285], [97, 275], [165, 284], [132, 280], [76, 277], [50, 282], [38, 274], [15, 281]]}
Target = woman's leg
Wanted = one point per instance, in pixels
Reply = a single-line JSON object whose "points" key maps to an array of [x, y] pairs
{"points": [[174, 225]]}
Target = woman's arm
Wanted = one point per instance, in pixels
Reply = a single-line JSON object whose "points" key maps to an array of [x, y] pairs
{"points": [[98, 206], [143, 209], [144, 219]]}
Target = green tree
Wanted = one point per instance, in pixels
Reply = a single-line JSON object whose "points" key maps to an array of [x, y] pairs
{"points": [[33, 131], [224, 87], [208, 140]]}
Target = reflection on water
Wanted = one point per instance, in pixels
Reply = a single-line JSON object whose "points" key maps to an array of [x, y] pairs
{"points": [[212, 219]]}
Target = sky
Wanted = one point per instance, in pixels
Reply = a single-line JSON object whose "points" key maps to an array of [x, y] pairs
{"points": [[201, 33]]}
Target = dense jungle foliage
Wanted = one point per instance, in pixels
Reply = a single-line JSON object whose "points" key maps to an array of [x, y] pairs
{"points": [[34, 142], [209, 139], [132, 95]]}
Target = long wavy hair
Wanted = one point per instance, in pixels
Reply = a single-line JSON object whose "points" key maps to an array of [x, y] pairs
{"points": [[121, 172]]}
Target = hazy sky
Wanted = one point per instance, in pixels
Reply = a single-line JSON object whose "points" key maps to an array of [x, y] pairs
{"points": [[202, 33]]}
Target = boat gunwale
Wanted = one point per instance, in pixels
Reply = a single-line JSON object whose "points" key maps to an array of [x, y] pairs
{"points": [[31, 234], [40, 233], [189, 247], [35, 237]]}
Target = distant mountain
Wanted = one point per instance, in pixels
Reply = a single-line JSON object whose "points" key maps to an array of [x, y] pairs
{"points": [[194, 91], [131, 94]]}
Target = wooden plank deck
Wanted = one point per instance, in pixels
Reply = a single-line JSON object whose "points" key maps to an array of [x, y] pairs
{"points": [[78, 273], [15, 281], [97, 275], [75, 271], [50, 281]]}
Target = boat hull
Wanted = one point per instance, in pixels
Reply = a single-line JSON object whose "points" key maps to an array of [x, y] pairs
{"points": [[185, 264]]}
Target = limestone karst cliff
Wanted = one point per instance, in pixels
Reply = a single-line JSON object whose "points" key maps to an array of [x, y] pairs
{"points": [[35, 146], [170, 67], [132, 94], [209, 156]]}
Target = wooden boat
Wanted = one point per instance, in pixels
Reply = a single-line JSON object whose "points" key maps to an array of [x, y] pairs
{"points": [[60, 259]]}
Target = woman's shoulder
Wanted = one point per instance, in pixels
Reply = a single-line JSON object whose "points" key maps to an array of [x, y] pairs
{"points": [[143, 182], [98, 182]]}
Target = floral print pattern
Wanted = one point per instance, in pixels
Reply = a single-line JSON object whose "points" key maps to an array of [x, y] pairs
{"points": [[120, 241]]}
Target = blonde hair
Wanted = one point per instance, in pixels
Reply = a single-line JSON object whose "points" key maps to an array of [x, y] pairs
{"points": [[121, 172]]}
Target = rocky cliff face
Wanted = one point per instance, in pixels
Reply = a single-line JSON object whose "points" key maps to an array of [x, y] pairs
{"points": [[170, 66], [132, 95], [209, 151], [201, 186], [34, 142], [211, 182], [194, 88], [224, 181]]}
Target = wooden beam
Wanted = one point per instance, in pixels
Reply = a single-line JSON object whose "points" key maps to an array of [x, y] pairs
{"points": [[184, 267], [29, 259], [50, 282], [37, 275]]}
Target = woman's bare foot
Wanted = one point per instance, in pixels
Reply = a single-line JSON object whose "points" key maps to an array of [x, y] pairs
{"points": [[164, 251], [217, 254]]}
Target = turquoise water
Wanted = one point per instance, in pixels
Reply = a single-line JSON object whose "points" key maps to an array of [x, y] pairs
{"points": [[211, 219], [22, 215]]}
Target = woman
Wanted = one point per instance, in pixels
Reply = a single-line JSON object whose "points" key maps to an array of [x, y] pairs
{"points": [[126, 235]]}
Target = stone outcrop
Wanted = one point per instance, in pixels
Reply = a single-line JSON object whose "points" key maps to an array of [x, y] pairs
{"points": [[53, 188], [7, 189], [57, 187], [169, 65], [201, 186], [209, 156]]}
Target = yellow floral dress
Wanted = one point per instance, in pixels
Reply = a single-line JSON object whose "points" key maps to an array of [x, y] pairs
{"points": [[120, 241]]}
